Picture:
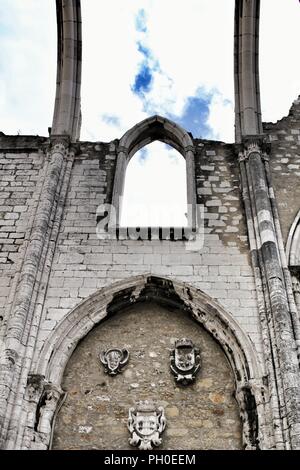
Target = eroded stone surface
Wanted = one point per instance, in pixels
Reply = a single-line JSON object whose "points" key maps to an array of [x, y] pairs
{"points": [[203, 415]]}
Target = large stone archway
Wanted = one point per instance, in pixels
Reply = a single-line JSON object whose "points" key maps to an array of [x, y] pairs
{"points": [[202, 415], [59, 347], [147, 131]]}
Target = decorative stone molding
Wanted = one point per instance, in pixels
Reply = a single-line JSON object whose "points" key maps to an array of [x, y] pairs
{"points": [[253, 144], [43, 400], [293, 259], [59, 143], [236, 345], [189, 148], [50, 398], [122, 149], [293, 244]]}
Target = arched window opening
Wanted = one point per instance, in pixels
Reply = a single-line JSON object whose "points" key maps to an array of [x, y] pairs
{"points": [[155, 190], [157, 129]]}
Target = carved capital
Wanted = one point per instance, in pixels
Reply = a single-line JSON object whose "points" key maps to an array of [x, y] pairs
{"points": [[248, 151], [254, 144], [189, 148], [123, 150], [258, 139], [59, 143]]}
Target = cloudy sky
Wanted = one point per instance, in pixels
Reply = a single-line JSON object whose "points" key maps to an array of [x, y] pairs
{"points": [[144, 57]]}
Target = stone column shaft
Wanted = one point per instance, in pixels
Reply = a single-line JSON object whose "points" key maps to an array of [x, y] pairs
{"points": [[281, 332], [19, 323]]}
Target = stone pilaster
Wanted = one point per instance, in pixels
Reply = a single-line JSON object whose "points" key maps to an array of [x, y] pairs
{"points": [[276, 314], [24, 318]]}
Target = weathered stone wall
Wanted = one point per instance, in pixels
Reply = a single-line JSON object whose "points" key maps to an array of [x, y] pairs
{"points": [[203, 415], [83, 263], [218, 189], [21, 166], [285, 164]]}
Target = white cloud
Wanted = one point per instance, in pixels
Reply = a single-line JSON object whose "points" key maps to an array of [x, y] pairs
{"points": [[28, 65], [164, 169], [221, 117], [185, 39], [279, 57], [110, 62], [192, 40]]}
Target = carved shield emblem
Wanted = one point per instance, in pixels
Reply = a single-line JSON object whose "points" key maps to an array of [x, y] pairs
{"points": [[185, 361], [114, 360], [146, 422]]}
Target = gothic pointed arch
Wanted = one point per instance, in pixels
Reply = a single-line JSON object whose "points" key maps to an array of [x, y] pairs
{"points": [[246, 69], [293, 260], [155, 128], [67, 117], [293, 243], [143, 133], [236, 345]]}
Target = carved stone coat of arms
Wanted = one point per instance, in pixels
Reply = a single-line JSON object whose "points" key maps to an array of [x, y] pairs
{"points": [[114, 360], [146, 422], [185, 361]]}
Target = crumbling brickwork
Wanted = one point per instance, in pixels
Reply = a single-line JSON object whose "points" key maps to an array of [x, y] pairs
{"points": [[285, 164]]}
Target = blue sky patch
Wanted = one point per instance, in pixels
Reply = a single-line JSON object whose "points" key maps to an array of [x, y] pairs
{"points": [[195, 115], [143, 80]]}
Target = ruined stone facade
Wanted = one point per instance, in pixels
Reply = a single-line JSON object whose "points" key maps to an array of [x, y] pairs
{"points": [[237, 296]]}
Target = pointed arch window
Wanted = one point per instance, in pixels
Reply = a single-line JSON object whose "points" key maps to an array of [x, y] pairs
{"points": [[155, 192], [153, 129]]}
